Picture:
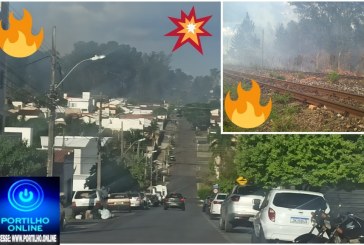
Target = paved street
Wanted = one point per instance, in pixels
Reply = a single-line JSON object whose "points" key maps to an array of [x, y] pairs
{"points": [[157, 225]]}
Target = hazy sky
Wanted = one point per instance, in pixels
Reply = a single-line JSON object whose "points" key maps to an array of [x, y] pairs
{"points": [[139, 24], [262, 14]]}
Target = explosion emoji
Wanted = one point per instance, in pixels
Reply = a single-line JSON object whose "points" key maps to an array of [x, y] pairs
{"points": [[18, 41], [246, 111], [189, 29]]}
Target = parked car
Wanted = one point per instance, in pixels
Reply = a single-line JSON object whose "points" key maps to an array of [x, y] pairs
{"points": [[86, 200], [286, 214], [237, 208], [119, 201], [174, 200], [172, 158], [216, 204], [62, 221], [206, 204], [136, 200], [153, 199]]}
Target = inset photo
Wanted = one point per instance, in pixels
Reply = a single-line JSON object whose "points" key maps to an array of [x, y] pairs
{"points": [[293, 67]]}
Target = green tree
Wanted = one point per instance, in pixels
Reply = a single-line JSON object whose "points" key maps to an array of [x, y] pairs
{"points": [[16, 159], [245, 44], [304, 161], [198, 114]]}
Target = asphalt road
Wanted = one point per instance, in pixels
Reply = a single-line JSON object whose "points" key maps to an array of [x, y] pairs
{"points": [[157, 225]]}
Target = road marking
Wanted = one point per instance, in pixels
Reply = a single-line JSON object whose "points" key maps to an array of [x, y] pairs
{"points": [[222, 233]]}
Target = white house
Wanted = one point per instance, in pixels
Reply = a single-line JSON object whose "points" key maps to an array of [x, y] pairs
{"points": [[26, 133], [18, 104], [84, 103], [125, 123], [85, 155]]}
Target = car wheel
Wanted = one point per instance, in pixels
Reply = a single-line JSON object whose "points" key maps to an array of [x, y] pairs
{"points": [[262, 237], [254, 238], [228, 226], [63, 224], [221, 224]]}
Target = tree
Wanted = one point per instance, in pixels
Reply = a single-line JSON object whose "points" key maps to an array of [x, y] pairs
{"points": [[304, 161], [223, 151], [19, 160], [245, 44], [198, 114]]}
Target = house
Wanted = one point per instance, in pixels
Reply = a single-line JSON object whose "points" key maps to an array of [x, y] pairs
{"points": [[30, 112], [84, 155], [17, 104], [125, 124], [85, 103], [26, 133], [215, 119]]}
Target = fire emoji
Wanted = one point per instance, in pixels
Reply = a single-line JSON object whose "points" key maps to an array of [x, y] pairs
{"points": [[18, 41], [246, 111]]}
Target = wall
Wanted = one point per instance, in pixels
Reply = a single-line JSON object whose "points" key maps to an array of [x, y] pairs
{"points": [[27, 133]]}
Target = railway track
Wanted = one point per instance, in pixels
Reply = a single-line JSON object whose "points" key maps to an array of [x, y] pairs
{"points": [[342, 102]]}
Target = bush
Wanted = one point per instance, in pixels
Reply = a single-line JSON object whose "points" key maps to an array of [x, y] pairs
{"points": [[204, 192], [333, 76]]}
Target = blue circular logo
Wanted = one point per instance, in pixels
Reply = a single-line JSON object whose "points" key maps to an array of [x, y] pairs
{"points": [[25, 195]]}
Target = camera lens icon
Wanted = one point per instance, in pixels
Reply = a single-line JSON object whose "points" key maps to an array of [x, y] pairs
{"points": [[25, 195]]}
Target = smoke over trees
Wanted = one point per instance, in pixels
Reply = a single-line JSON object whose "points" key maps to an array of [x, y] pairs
{"points": [[325, 36], [125, 72]]}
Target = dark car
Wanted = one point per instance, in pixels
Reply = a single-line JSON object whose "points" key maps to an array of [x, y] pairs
{"points": [[62, 221], [174, 200], [207, 203]]}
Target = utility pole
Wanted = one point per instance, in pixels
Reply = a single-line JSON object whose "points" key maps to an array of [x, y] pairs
{"points": [[122, 144], [4, 17], [99, 145], [52, 107], [262, 48]]}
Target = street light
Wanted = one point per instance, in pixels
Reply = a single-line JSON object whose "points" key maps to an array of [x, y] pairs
{"points": [[96, 57], [52, 109], [150, 154], [137, 141]]}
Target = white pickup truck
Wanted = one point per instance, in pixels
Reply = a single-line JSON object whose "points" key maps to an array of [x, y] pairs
{"points": [[237, 209]]}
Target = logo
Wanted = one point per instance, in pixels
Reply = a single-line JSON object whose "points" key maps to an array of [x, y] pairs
{"points": [[189, 30], [246, 111], [25, 195], [18, 41]]}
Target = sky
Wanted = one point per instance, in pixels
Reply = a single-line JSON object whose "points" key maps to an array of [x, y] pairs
{"points": [[140, 24], [262, 14]]}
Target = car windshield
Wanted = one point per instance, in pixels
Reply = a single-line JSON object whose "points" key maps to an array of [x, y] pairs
{"points": [[175, 195], [119, 195], [299, 201], [85, 194]]}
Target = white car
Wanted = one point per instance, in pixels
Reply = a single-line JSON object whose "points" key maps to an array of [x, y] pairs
{"points": [[86, 200], [237, 208], [215, 207], [136, 200], [286, 214]]}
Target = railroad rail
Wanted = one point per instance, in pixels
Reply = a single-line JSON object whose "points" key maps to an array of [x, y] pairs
{"points": [[310, 94]]}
